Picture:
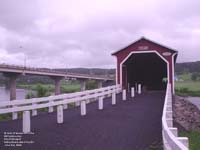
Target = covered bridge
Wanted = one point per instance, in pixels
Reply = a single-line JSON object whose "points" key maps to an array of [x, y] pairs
{"points": [[147, 63]]}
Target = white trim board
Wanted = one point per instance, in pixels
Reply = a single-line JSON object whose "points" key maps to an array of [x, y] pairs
{"points": [[173, 90]]}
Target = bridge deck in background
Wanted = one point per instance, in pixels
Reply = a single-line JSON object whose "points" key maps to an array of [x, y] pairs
{"points": [[134, 124]]}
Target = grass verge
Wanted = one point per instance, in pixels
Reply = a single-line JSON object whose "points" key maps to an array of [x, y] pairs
{"points": [[189, 88], [194, 139]]}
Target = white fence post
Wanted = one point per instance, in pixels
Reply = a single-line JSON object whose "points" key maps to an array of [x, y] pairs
{"points": [[128, 87], [184, 140], [95, 99], [169, 122], [124, 95], [34, 111], [77, 103], [169, 115], [139, 88], [60, 114], [174, 131], [65, 106], [100, 102], [132, 92], [14, 115], [26, 122], [87, 101], [83, 108], [50, 107], [113, 98], [136, 87]]}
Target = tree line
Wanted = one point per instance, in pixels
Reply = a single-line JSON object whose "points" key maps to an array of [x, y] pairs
{"points": [[188, 67]]}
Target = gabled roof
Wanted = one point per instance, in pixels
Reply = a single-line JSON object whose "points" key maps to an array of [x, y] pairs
{"points": [[143, 38]]}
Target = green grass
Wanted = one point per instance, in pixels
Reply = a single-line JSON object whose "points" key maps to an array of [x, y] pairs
{"points": [[194, 139], [8, 116], [191, 85], [4, 117], [33, 87], [187, 88], [69, 88]]}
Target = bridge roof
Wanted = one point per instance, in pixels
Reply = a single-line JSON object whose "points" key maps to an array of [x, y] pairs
{"points": [[142, 39]]}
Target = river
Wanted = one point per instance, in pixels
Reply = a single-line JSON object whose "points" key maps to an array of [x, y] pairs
{"points": [[5, 94], [195, 101]]}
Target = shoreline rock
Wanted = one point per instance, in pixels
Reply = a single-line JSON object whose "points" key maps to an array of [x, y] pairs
{"points": [[186, 114]]}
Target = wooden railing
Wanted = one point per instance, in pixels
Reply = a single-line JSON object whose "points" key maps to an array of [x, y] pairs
{"points": [[171, 141], [61, 101]]}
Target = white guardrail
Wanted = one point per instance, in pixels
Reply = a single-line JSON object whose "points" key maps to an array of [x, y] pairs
{"points": [[61, 101], [171, 141]]}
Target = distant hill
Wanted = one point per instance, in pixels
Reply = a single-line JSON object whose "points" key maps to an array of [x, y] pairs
{"points": [[187, 67]]}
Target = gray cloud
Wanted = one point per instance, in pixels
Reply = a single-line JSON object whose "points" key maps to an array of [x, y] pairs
{"points": [[83, 34]]}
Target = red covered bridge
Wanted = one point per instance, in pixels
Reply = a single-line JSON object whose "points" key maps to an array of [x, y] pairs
{"points": [[147, 63], [109, 118]]}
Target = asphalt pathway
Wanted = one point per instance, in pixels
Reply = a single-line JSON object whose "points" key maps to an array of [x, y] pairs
{"points": [[134, 124]]}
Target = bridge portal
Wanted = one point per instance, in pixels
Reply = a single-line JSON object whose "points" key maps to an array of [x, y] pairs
{"points": [[147, 63], [148, 69]]}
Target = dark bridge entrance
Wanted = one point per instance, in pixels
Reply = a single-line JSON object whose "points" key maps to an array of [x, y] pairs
{"points": [[148, 69], [147, 63]]}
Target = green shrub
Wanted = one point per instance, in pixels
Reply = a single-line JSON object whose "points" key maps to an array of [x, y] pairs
{"points": [[70, 88], [195, 76], [42, 91], [30, 95], [184, 90], [4, 117], [91, 84]]}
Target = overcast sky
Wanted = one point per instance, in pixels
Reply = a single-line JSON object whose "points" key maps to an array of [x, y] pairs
{"points": [[84, 33]]}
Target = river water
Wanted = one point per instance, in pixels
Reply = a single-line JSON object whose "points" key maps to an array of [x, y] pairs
{"points": [[5, 94], [195, 101]]}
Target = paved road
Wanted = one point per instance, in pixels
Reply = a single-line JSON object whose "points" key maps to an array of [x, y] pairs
{"points": [[195, 101], [134, 124]]}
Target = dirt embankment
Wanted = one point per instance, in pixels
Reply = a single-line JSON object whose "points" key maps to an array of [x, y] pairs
{"points": [[186, 114]]}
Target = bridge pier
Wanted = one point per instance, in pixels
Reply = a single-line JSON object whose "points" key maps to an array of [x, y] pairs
{"points": [[12, 83], [83, 84], [99, 84], [83, 88], [57, 81]]}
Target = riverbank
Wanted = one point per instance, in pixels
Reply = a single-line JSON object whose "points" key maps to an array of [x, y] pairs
{"points": [[65, 88], [27, 89], [187, 119], [20, 93]]}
